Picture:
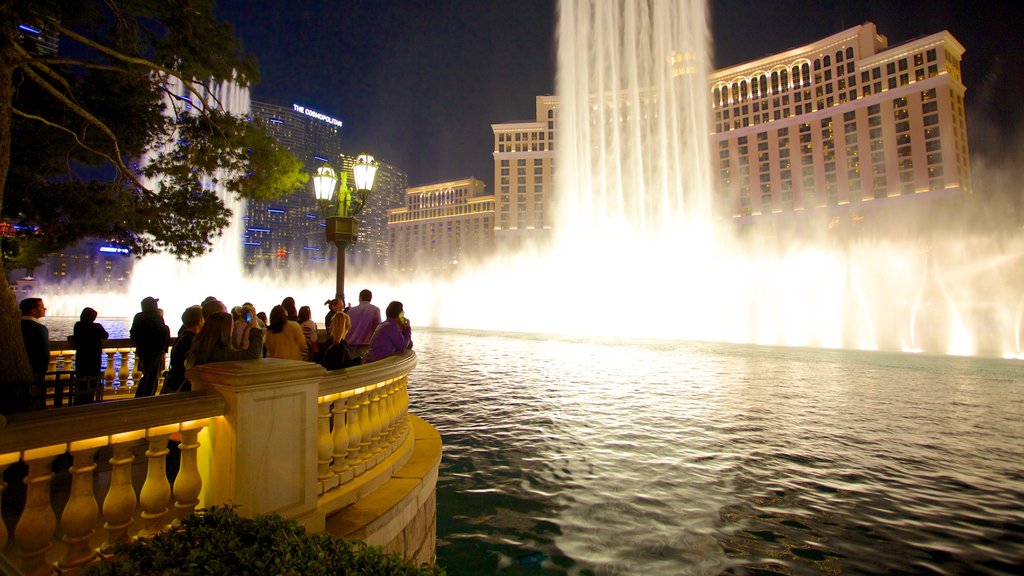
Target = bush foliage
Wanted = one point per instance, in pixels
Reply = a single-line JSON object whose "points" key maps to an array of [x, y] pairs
{"points": [[217, 541]]}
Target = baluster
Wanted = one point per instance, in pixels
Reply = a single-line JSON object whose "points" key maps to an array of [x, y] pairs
{"points": [[365, 426], [395, 421], [108, 372], [404, 403], [37, 524], [136, 372], [156, 490], [375, 420], [122, 373], [189, 483], [324, 442], [341, 436], [80, 513], [385, 416], [4, 464], [52, 365], [355, 430], [119, 505]]}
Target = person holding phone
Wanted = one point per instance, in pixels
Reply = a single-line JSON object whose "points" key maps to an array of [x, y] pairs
{"points": [[243, 320], [393, 336]]}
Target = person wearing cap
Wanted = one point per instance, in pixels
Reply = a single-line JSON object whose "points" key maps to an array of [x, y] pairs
{"points": [[150, 335]]}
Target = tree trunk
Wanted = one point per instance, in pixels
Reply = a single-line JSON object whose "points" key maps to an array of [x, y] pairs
{"points": [[14, 366]]}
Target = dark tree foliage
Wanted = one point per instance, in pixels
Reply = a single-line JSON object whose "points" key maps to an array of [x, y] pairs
{"points": [[121, 134]]}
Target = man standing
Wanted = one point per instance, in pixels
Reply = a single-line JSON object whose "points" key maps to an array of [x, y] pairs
{"points": [[35, 335], [150, 334], [365, 319]]}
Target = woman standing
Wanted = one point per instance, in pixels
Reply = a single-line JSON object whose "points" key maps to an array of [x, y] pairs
{"points": [[213, 343], [339, 354], [284, 337], [87, 337], [309, 331]]}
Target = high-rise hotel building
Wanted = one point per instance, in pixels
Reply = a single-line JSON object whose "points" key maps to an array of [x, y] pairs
{"points": [[441, 225], [840, 126], [844, 122], [524, 161], [288, 233]]}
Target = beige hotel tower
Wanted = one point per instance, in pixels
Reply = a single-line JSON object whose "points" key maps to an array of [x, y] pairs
{"points": [[836, 127], [846, 128], [844, 122]]}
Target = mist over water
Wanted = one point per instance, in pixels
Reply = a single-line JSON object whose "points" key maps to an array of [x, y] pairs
{"points": [[637, 250]]}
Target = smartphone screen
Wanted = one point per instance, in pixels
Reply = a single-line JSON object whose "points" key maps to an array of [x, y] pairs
{"points": [[248, 316]]}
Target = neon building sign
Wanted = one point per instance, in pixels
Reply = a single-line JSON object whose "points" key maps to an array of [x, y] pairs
{"points": [[314, 114]]}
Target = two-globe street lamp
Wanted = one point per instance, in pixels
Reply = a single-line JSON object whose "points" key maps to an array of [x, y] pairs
{"points": [[342, 227]]}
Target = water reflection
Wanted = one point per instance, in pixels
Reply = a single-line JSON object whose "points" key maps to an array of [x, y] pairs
{"points": [[600, 457]]}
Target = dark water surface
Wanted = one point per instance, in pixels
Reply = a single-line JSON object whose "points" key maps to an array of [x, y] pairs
{"points": [[583, 456]]}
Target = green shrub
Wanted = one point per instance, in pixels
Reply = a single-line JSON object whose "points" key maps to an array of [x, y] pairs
{"points": [[217, 541]]}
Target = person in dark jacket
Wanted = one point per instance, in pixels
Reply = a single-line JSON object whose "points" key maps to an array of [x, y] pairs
{"points": [[150, 335], [35, 335], [213, 343], [87, 337], [339, 354], [191, 323]]}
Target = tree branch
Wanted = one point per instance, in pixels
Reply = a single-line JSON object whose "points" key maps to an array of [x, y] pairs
{"points": [[187, 82]]}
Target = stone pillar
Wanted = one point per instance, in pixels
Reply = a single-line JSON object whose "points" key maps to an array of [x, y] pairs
{"points": [[264, 448]]}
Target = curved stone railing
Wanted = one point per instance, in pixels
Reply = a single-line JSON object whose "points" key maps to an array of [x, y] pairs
{"points": [[277, 436], [90, 518]]}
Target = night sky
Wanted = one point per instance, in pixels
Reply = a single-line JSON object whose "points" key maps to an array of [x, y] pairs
{"points": [[418, 84]]}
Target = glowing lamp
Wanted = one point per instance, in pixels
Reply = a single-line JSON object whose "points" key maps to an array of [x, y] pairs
{"points": [[323, 183], [364, 171]]}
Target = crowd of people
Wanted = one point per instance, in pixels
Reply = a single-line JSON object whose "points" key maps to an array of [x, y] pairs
{"points": [[209, 332]]}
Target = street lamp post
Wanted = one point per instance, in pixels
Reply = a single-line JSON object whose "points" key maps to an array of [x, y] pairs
{"points": [[342, 227]]}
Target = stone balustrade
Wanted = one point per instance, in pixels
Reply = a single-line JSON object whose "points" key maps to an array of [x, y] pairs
{"points": [[119, 373], [270, 436]]}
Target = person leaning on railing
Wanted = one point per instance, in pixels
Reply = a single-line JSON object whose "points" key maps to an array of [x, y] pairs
{"points": [[213, 343], [191, 323]]}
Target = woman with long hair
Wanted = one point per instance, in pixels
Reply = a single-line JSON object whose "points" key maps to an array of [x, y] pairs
{"points": [[213, 343], [284, 337], [339, 354]]}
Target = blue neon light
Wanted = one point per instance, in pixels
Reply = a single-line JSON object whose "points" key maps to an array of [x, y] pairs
{"points": [[29, 29], [250, 243], [319, 259], [276, 121], [312, 248], [312, 216], [275, 210], [258, 230], [320, 158], [114, 250]]}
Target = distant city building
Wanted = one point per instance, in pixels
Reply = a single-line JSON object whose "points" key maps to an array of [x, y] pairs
{"points": [[846, 123], [442, 225], [42, 40], [288, 233], [91, 262], [524, 160]]}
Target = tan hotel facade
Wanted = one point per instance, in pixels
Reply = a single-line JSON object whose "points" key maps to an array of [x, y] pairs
{"points": [[441, 225], [846, 121], [838, 127]]}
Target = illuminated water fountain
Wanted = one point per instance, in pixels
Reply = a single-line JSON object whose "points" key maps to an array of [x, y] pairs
{"points": [[638, 252]]}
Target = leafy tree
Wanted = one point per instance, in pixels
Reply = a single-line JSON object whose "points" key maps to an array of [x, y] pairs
{"points": [[120, 133]]}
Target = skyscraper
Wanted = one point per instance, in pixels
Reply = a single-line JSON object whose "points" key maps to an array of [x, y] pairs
{"points": [[288, 233]]}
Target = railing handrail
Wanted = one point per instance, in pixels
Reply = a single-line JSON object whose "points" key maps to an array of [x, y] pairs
{"points": [[30, 430], [344, 380], [65, 345]]}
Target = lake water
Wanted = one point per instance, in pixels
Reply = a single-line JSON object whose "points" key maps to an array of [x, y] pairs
{"points": [[584, 456]]}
